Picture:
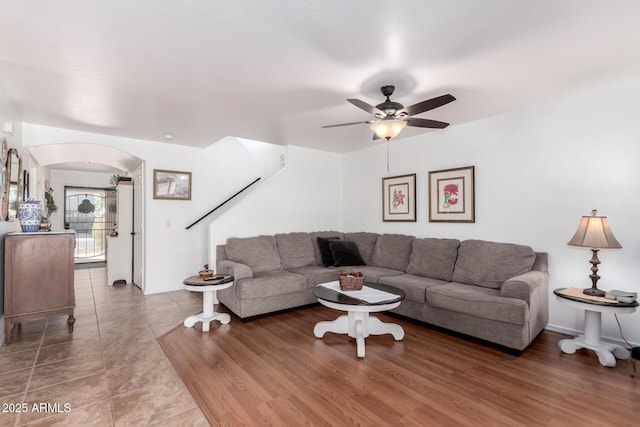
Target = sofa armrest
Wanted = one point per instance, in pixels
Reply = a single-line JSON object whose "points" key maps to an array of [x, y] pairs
{"points": [[235, 269], [529, 286], [532, 287]]}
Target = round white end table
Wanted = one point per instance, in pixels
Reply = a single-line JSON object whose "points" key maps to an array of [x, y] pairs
{"points": [[357, 323], [209, 299], [592, 338]]}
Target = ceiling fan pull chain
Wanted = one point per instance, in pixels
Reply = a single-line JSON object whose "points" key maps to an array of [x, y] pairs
{"points": [[387, 155]]}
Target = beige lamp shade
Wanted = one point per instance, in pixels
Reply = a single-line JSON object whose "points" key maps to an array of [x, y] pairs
{"points": [[388, 128], [594, 232]]}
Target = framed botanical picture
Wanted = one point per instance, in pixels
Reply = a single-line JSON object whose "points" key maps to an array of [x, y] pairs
{"points": [[171, 185], [399, 198], [451, 195]]}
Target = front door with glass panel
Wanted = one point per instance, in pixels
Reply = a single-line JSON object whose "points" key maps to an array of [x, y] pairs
{"points": [[91, 213]]}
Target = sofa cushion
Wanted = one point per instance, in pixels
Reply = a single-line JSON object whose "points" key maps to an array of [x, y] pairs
{"points": [[433, 258], [366, 242], [373, 274], [478, 301], [415, 287], [260, 253], [489, 264], [325, 250], [345, 253], [392, 251], [295, 250], [316, 274], [314, 241], [271, 283]]}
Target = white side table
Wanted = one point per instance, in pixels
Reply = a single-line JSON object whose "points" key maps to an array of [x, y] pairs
{"points": [[592, 337], [209, 299]]}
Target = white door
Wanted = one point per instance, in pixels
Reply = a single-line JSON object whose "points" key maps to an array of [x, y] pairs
{"points": [[138, 227]]}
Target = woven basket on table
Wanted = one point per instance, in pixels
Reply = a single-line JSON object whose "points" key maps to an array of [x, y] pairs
{"points": [[351, 280]]}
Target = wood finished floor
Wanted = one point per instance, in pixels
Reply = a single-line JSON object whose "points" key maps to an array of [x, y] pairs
{"points": [[273, 371]]}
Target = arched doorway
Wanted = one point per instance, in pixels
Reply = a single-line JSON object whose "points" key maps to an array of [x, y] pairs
{"points": [[79, 159]]}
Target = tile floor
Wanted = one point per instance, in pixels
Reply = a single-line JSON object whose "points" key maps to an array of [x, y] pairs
{"points": [[109, 372]]}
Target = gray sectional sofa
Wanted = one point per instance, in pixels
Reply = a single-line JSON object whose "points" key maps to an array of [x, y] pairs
{"points": [[497, 292]]}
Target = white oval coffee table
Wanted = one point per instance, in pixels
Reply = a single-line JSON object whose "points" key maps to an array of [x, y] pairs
{"points": [[209, 299], [357, 323]]}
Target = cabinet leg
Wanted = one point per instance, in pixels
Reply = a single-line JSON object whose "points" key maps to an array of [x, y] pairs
{"points": [[70, 321]]}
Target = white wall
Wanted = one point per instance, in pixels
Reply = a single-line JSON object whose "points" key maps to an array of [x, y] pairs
{"points": [[305, 196], [537, 172]]}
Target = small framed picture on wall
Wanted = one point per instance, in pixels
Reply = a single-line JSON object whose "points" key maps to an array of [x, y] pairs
{"points": [[171, 185], [451, 195], [399, 198]]}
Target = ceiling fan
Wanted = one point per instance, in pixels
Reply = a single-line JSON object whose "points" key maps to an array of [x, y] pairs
{"points": [[392, 117]]}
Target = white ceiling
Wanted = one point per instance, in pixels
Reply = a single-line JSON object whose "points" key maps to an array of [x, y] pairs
{"points": [[277, 70]]}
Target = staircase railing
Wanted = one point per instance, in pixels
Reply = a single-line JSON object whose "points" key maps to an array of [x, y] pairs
{"points": [[223, 203]]}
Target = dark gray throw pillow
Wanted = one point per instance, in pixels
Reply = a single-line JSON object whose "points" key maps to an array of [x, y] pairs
{"points": [[325, 250], [345, 253]]}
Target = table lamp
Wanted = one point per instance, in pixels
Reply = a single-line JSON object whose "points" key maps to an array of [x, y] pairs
{"points": [[594, 232]]}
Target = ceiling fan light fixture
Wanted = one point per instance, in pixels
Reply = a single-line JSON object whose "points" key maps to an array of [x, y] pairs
{"points": [[388, 128]]}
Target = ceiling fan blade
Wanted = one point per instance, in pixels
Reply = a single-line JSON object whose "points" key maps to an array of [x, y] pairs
{"points": [[366, 107], [375, 136], [429, 104], [426, 123], [345, 124]]}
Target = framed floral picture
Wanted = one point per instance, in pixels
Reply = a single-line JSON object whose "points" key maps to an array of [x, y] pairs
{"points": [[399, 198], [171, 185], [452, 195]]}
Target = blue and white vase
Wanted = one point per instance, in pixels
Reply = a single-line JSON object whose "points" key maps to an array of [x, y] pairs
{"points": [[29, 215]]}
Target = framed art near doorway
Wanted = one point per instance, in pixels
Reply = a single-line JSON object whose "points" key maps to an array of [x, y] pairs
{"points": [[171, 185]]}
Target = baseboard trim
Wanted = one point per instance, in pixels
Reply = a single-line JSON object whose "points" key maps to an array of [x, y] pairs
{"points": [[575, 333]]}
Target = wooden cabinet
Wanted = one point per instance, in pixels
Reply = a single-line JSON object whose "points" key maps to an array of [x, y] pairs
{"points": [[38, 277]]}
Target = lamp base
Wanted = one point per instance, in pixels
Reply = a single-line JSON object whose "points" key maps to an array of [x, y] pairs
{"points": [[593, 292]]}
